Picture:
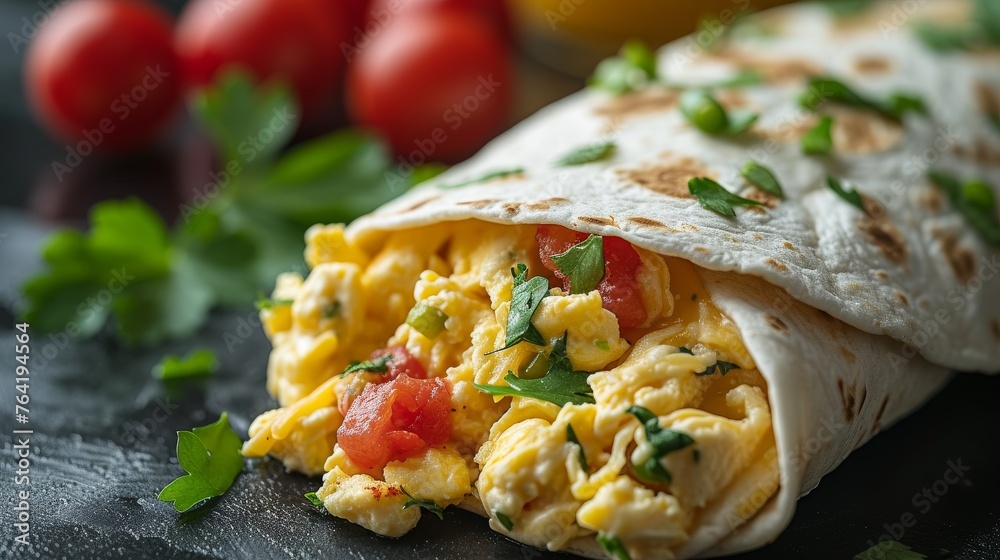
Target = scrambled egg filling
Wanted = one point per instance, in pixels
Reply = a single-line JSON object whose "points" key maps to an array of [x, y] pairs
{"points": [[514, 454]]}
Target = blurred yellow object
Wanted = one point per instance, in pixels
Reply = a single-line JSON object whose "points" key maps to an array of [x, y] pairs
{"points": [[573, 35]]}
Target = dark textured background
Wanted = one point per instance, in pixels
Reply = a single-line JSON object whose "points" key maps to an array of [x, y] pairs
{"points": [[105, 429]]}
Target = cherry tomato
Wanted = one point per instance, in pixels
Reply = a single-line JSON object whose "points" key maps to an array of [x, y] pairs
{"points": [[102, 74], [402, 363], [382, 12], [397, 419], [620, 290], [437, 86], [294, 40]]}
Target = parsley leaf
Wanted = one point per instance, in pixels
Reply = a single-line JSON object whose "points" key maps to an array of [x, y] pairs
{"points": [[211, 456], [823, 89], [708, 115], [378, 365], [663, 440], [817, 141], [499, 174], [560, 385], [721, 366], [889, 550], [716, 198], [982, 220], [313, 499], [583, 263], [613, 546], [199, 363], [853, 197], [588, 154], [525, 297], [603, 345], [504, 520], [263, 302], [762, 178], [426, 504], [571, 437], [633, 68]]}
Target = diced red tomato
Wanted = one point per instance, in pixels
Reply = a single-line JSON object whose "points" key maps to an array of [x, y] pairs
{"points": [[402, 362], [620, 290], [397, 419]]}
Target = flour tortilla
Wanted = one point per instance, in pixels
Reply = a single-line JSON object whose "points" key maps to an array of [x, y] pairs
{"points": [[854, 321]]}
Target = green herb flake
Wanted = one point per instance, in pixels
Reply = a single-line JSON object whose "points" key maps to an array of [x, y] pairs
{"points": [[571, 437], [378, 365], [663, 440], [499, 174], [762, 178], [823, 89], [333, 310], [982, 220], [428, 505], [525, 296], [560, 385], [313, 499], [427, 319], [889, 550], [504, 520], [613, 546], [720, 366], [708, 115], [715, 197], [263, 302], [584, 264], [200, 363], [853, 197], [211, 457], [588, 154], [818, 141], [633, 68], [602, 345]]}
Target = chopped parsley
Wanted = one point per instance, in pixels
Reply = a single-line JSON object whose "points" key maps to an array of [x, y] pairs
{"points": [[525, 296], [971, 202], [720, 366], [613, 546], [663, 440], [824, 89], [762, 178], [588, 154], [633, 68], [429, 505], [709, 116], [333, 310], [603, 345], [818, 141], [211, 457], [499, 174], [313, 499], [560, 385], [504, 520], [853, 197], [263, 303], [199, 363], [378, 365], [583, 263], [716, 198], [571, 437]]}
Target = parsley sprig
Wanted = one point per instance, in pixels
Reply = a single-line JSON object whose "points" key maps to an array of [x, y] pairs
{"points": [[378, 365], [818, 140], [199, 363], [663, 440], [708, 115], [762, 178], [525, 296], [583, 263], [428, 505], [588, 154], [974, 200], [824, 89], [560, 385], [211, 456], [852, 197], [633, 68], [715, 197]]}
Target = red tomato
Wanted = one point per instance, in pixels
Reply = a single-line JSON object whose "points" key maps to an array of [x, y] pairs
{"points": [[619, 289], [402, 363], [436, 86], [397, 419], [104, 72], [494, 12], [297, 41]]}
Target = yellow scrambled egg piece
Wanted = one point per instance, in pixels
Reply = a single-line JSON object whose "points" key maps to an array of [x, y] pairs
{"points": [[515, 454]]}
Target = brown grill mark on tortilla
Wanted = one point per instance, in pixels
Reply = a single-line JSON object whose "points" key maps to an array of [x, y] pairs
{"points": [[757, 236], [878, 415], [537, 206], [775, 323], [995, 328], [512, 207], [703, 250], [767, 199], [780, 267], [862, 131], [987, 99], [416, 205], [872, 64], [601, 221], [789, 132], [961, 259], [732, 98], [771, 69], [847, 354], [882, 274], [642, 102], [476, 203], [670, 177], [881, 232], [980, 152], [931, 199], [556, 200], [648, 222], [902, 298], [788, 245]]}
